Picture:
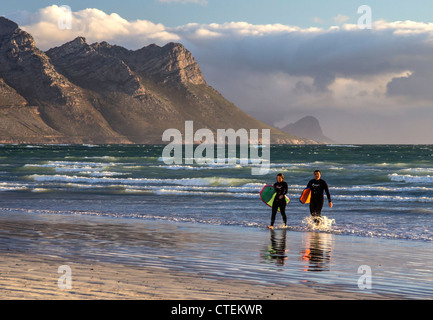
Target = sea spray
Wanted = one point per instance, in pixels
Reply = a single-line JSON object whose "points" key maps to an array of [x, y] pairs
{"points": [[325, 223]]}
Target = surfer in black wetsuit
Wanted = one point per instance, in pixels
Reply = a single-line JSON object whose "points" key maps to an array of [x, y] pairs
{"points": [[281, 188], [317, 187]]}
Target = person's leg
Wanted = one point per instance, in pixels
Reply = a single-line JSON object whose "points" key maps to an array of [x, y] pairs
{"points": [[274, 212], [316, 209], [283, 211], [316, 217], [312, 208]]}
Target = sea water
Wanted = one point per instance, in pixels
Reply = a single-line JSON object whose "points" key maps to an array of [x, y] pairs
{"points": [[383, 191], [60, 199]]}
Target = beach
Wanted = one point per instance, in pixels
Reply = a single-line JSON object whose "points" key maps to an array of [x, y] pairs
{"points": [[122, 224], [154, 260], [33, 277], [202, 151]]}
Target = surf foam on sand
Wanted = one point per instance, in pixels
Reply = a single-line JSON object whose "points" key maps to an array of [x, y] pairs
{"points": [[325, 223]]}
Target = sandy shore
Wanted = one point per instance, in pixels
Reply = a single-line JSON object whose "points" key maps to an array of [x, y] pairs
{"points": [[27, 276], [158, 260]]}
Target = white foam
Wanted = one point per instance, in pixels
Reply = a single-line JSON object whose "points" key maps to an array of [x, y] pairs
{"points": [[103, 173], [40, 190], [207, 181], [13, 188], [325, 223], [110, 158], [70, 164], [385, 198], [207, 193], [198, 167], [410, 178], [382, 188], [343, 145], [78, 169], [417, 170]]}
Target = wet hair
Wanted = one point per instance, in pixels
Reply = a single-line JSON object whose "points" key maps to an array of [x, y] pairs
{"points": [[280, 175], [317, 171]]}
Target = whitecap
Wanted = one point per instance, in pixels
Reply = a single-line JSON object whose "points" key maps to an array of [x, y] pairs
{"points": [[343, 145], [410, 178], [206, 181]]}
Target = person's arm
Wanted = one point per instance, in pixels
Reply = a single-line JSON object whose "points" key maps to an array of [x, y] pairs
{"points": [[328, 195]]}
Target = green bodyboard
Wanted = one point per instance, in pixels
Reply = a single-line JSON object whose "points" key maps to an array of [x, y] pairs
{"points": [[268, 193]]}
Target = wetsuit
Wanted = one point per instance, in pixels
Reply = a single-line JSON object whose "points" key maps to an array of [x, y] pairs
{"points": [[316, 202], [281, 189]]}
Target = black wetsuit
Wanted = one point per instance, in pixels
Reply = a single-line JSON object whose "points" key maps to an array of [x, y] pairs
{"points": [[316, 203], [281, 188]]}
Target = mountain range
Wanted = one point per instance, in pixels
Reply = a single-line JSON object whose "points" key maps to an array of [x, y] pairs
{"points": [[106, 94], [309, 128]]}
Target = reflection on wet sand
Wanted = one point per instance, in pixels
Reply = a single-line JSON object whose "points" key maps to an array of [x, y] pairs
{"points": [[277, 249], [317, 253]]}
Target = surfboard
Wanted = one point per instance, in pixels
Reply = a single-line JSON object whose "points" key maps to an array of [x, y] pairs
{"points": [[268, 193], [305, 196]]}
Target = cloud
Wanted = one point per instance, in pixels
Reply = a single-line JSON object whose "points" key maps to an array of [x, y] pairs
{"points": [[93, 24], [342, 75], [340, 18], [279, 73], [322, 55]]}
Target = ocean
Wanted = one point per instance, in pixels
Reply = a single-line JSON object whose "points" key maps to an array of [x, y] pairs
{"points": [[124, 204], [380, 191]]}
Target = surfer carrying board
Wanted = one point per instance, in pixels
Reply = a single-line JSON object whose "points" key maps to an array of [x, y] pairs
{"points": [[317, 187], [281, 189]]}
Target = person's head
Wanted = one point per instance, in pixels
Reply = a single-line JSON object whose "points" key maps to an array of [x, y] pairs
{"points": [[280, 177], [317, 174]]}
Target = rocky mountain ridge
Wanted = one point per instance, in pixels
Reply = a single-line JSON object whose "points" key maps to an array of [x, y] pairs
{"points": [[106, 94]]}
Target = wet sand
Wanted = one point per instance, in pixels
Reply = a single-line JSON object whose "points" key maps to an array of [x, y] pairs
{"points": [[158, 260], [35, 277]]}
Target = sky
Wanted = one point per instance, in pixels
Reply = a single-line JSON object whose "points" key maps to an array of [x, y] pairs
{"points": [[278, 60]]}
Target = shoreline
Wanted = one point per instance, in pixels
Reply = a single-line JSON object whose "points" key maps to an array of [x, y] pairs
{"points": [[115, 258]]}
